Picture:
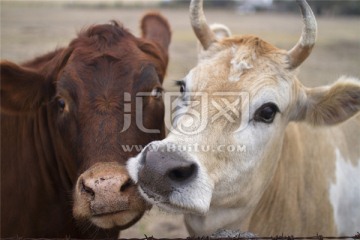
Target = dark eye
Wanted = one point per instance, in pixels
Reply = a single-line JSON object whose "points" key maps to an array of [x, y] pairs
{"points": [[156, 92], [266, 113], [61, 103], [181, 84]]}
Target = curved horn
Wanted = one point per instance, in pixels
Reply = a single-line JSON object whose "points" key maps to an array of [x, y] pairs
{"points": [[307, 41], [199, 25]]}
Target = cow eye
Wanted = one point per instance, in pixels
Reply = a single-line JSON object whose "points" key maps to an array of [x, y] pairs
{"points": [[61, 103], [266, 113], [156, 92]]}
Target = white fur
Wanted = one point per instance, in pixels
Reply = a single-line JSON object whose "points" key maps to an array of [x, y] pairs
{"points": [[345, 192], [221, 31], [133, 166], [237, 68], [238, 64], [216, 218], [195, 196]]}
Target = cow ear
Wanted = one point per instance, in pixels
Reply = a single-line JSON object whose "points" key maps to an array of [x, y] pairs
{"points": [[156, 28], [333, 104], [220, 30], [22, 89]]}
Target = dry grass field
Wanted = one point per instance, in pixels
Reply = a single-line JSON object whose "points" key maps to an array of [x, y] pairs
{"points": [[28, 30]]}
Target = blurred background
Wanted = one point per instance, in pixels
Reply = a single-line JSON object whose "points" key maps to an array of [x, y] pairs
{"points": [[30, 28]]}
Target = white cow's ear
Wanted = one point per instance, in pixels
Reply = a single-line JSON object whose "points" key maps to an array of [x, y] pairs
{"points": [[221, 31], [332, 104]]}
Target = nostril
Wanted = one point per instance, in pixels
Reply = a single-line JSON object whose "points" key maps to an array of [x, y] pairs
{"points": [[85, 189], [182, 173], [126, 185]]}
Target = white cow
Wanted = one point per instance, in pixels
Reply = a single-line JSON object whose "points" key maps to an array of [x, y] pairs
{"points": [[298, 168]]}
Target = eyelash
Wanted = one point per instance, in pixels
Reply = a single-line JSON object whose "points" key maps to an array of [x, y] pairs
{"points": [[181, 84]]}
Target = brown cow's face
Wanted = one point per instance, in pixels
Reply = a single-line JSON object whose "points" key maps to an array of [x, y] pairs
{"points": [[103, 95], [106, 102], [95, 104], [94, 99]]}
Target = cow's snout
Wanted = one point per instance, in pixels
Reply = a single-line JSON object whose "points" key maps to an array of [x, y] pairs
{"points": [[161, 172], [105, 195], [172, 179]]}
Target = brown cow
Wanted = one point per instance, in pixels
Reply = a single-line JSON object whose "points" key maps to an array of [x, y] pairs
{"points": [[64, 118]]}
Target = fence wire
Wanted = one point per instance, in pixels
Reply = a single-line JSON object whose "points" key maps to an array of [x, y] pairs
{"points": [[317, 237]]}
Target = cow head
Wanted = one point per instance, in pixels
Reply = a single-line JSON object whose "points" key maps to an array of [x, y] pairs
{"points": [[234, 108], [86, 95]]}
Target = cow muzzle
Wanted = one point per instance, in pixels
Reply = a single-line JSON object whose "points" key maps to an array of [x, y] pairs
{"points": [[105, 195], [172, 180]]}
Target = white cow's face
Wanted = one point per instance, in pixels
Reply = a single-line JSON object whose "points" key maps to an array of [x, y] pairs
{"points": [[247, 112], [246, 97]]}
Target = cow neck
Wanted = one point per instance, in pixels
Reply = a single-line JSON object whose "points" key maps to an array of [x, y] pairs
{"points": [[289, 186]]}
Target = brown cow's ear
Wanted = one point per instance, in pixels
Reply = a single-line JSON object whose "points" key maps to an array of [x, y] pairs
{"points": [[156, 28], [333, 104], [22, 89]]}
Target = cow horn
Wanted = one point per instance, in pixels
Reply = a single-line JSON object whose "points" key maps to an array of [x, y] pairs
{"points": [[199, 25], [307, 40]]}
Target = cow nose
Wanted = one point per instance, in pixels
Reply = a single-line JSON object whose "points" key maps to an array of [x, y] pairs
{"points": [[182, 173], [105, 193], [161, 171], [104, 190], [90, 190]]}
